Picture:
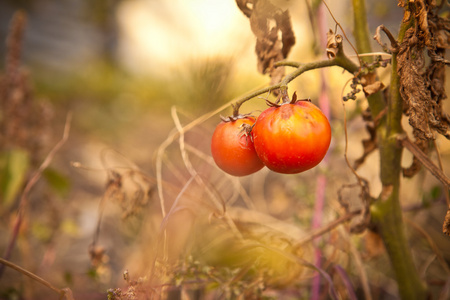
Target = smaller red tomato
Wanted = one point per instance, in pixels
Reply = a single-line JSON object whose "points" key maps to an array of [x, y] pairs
{"points": [[232, 148]]}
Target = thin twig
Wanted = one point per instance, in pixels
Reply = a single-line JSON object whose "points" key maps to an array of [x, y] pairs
{"points": [[235, 181], [343, 32], [171, 137], [424, 159], [66, 292], [219, 203], [432, 244], [441, 167], [30, 184], [340, 61], [327, 228]]}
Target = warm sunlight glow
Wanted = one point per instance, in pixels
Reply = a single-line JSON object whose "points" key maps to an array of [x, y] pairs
{"points": [[157, 34]]}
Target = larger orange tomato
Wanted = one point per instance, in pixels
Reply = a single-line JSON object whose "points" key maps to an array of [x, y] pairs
{"points": [[232, 148], [292, 138]]}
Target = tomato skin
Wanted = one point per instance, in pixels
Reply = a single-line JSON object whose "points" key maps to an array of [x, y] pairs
{"points": [[292, 138], [233, 150]]}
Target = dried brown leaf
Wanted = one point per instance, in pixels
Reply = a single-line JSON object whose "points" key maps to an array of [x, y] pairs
{"points": [[421, 14], [334, 42], [373, 88], [413, 86], [287, 34], [416, 96], [435, 72], [423, 87], [272, 28], [246, 6]]}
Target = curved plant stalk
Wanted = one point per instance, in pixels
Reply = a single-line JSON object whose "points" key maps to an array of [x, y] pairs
{"points": [[23, 203], [341, 60], [386, 213], [64, 293]]}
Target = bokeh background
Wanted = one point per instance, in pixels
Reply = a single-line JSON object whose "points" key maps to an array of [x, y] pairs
{"points": [[128, 71]]}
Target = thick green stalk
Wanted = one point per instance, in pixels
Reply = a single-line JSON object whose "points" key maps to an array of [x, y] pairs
{"points": [[386, 212], [361, 28], [363, 40]]}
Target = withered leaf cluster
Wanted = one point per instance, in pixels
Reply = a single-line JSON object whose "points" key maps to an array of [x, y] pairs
{"points": [[274, 36], [131, 190], [421, 83], [334, 44]]}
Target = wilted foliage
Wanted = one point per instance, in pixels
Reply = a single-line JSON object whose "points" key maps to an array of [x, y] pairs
{"points": [[274, 36], [421, 86]]}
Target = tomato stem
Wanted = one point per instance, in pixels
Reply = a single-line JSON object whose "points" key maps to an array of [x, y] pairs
{"points": [[340, 60]]}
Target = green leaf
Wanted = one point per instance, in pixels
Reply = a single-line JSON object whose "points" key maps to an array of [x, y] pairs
{"points": [[14, 165]]}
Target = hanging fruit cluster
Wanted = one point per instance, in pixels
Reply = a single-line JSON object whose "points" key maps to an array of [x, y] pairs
{"points": [[287, 138]]}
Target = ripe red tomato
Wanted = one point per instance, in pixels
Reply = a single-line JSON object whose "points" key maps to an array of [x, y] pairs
{"points": [[292, 138], [232, 148]]}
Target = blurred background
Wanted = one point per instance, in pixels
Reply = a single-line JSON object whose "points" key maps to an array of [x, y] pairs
{"points": [[128, 72]]}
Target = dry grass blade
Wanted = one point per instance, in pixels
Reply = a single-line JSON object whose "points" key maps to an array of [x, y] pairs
{"points": [[30, 184], [424, 160], [64, 293], [217, 201], [175, 205], [330, 226], [171, 137], [347, 282], [432, 244], [359, 265], [238, 188]]}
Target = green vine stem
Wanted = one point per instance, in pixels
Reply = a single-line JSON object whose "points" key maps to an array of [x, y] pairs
{"points": [[386, 212], [340, 60]]}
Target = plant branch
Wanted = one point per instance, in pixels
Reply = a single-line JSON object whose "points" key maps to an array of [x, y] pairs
{"points": [[66, 292], [340, 61], [386, 212]]}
